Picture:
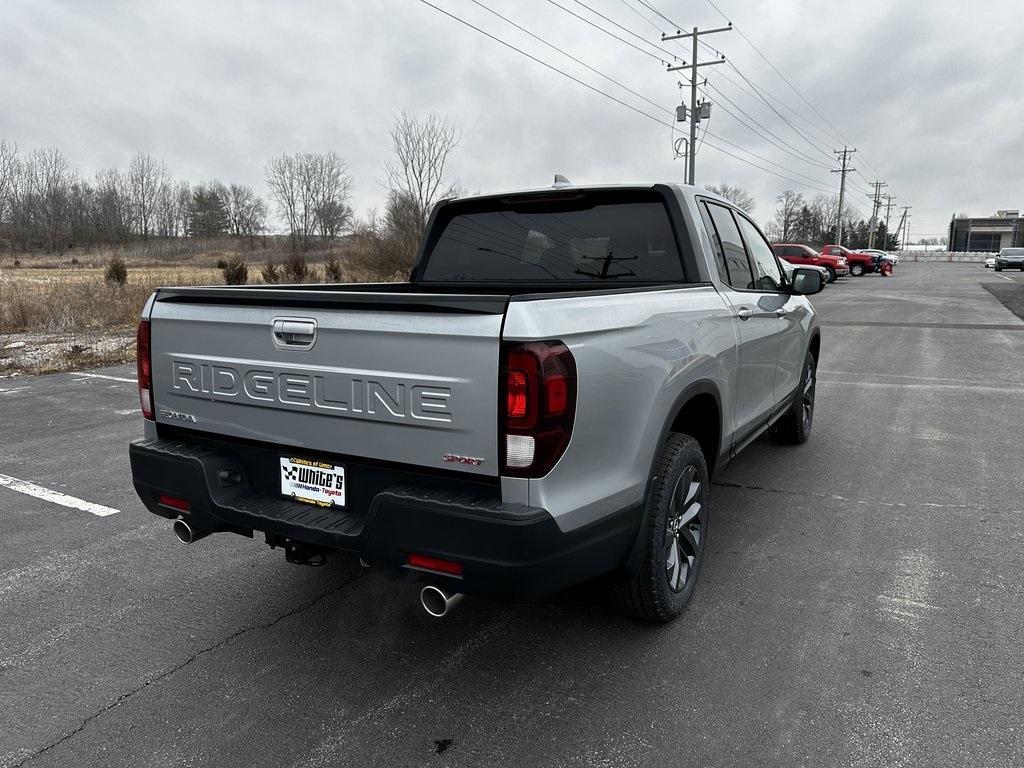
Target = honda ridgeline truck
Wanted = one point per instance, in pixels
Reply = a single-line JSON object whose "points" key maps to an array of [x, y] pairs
{"points": [[543, 402]]}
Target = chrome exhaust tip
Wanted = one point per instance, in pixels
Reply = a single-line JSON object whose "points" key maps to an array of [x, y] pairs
{"points": [[437, 602], [186, 533]]}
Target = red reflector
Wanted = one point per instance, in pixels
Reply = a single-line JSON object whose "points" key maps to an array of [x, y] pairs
{"points": [[174, 501], [517, 399], [435, 564], [557, 392]]}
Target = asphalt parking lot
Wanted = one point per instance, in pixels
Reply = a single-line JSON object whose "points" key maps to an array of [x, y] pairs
{"points": [[861, 603]]}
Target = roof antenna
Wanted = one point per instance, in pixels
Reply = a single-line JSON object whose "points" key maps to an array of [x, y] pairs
{"points": [[561, 181]]}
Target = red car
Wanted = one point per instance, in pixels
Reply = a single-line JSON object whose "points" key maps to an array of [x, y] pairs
{"points": [[860, 263], [794, 253]]}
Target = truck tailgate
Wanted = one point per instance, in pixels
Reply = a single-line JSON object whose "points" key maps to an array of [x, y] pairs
{"points": [[396, 377]]}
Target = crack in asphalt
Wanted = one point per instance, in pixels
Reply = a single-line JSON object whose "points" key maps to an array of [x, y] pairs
{"points": [[164, 675], [875, 502]]}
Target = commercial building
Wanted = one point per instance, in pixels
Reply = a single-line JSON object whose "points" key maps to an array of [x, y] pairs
{"points": [[1003, 230]]}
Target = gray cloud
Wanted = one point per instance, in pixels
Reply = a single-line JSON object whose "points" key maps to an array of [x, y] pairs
{"points": [[928, 92]]}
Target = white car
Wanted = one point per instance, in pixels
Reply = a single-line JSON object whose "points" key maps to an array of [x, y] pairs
{"points": [[990, 262], [788, 269], [894, 258]]}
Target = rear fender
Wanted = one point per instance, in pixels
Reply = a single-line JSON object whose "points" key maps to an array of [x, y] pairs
{"points": [[702, 386]]}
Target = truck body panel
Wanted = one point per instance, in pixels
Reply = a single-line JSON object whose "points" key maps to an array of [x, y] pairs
{"points": [[422, 390], [408, 387]]}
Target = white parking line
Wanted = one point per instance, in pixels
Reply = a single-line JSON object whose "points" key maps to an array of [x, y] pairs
{"points": [[102, 376], [31, 489]]}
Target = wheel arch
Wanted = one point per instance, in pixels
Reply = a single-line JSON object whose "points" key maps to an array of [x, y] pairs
{"points": [[814, 346], [698, 412]]}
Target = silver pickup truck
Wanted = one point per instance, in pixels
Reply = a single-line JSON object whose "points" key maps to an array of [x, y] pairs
{"points": [[542, 403]]}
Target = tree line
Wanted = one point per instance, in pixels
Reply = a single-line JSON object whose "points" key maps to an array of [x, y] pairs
{"points": [[47, 205], [797, 219]]}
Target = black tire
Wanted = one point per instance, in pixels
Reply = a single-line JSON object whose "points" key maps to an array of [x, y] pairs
{"points": [[659, 591], [857, 270], [998, 268], [831, 274], [795, 425]]}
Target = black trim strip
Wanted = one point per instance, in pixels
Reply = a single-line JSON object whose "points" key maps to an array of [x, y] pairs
{"points": [[337, 297]]}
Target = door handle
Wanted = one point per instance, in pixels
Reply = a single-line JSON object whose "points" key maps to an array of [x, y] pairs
{"points": [[744, 314], [293, 333]]}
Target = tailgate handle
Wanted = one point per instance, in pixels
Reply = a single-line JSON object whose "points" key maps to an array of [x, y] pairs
{"points": [[294, 332]]}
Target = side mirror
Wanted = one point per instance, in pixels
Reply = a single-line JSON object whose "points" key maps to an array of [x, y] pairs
{"points": [[806, 282]]}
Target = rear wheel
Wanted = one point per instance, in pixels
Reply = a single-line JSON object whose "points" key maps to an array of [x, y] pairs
{"points": [[831, 274], [857, 270], [673, 544], [795, 425]]}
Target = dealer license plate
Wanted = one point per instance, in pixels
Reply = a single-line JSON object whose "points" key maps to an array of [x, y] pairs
{"points": [[314, 482]]}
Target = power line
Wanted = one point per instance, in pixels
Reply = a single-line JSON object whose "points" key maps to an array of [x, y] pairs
{"points": [[776, 70], [783, 144], [785, 79], [620, 39], [569, 55], [734, 67], [623, 103], [545, 64], [626, 30]]}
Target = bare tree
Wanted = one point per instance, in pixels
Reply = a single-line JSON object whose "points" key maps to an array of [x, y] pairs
{"points": [[312, 192], [182, 207], [418, 173], [330, 192], [112, 207], [9, 169], [787, 211], [146, 177], [736, 195], [50, 177], [246, 212]]}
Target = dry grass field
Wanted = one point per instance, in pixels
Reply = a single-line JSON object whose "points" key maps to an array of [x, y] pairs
{"points": [[58, 312]]}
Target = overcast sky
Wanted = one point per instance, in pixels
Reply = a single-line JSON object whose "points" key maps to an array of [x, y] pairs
{"points": [[930, 93]]}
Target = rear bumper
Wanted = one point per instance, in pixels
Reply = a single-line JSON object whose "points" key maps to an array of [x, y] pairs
{"points": [[506, 550]]}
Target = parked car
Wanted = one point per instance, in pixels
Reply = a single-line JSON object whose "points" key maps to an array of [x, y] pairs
{"points": [[990, 262], [860, 263], [789, 269], [544, 401], [803, 255], [893, 257], [1010, 258]]}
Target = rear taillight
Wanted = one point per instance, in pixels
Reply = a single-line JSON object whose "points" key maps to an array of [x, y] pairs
{"points": [[537, 404], [144, 369]]}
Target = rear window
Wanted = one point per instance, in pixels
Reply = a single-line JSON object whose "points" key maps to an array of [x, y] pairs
{"points": [[593, 238]]}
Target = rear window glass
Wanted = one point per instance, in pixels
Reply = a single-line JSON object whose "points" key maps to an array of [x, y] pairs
{"points": [[591, 239]]}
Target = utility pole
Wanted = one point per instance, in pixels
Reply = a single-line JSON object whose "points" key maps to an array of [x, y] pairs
{"points": [[695, 114], [903, 230], [875, 205], [888, 208], [842, 171]]}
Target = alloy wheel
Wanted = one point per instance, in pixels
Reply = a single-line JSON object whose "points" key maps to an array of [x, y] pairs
{"points": [[807, 396], [685, 528]]}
